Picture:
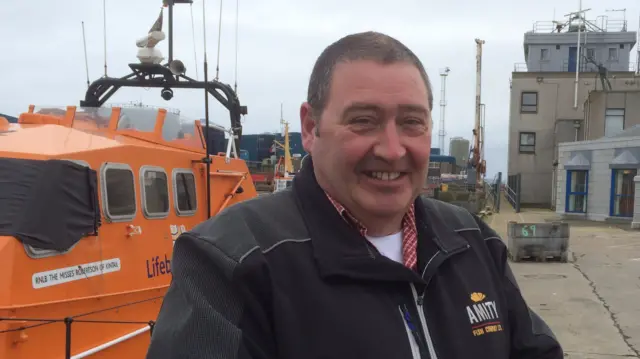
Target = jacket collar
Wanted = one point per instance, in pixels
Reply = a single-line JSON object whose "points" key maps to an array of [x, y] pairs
{"points": [[444, 232], [339, 249]]}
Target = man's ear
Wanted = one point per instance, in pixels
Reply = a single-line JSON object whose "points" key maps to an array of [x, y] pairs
{"points": [[308, 125]]}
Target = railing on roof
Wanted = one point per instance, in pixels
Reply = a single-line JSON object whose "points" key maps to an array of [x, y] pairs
{"points": [[520, 67], [133, 104], [611, 25], [543, 67], [601, 24]]}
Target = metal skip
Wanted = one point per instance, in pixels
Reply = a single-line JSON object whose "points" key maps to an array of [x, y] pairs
{"points": [[538, 241]]}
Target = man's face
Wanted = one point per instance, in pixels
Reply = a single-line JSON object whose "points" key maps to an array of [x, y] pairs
{"points": [[374, 137]]}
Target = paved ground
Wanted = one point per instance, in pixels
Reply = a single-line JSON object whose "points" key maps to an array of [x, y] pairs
{"points": [[592, 303]]}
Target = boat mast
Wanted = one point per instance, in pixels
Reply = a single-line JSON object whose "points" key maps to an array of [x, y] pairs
{"points": [[288, 164]]}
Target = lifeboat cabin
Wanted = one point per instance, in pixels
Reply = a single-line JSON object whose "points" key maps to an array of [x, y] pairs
{"points": [[91, 202]]}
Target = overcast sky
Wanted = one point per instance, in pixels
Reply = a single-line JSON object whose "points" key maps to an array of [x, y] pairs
{"points": [[42, 58]]}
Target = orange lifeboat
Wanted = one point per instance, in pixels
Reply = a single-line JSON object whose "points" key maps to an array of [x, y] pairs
{"points": [[92, 199]]}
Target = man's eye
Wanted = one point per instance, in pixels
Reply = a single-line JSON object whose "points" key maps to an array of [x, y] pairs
{"points": [[413, 122], [362, 120], [414, 125], [363, 123]]}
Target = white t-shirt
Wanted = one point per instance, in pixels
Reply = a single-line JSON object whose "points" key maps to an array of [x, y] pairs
{"points": [[389, 246]]}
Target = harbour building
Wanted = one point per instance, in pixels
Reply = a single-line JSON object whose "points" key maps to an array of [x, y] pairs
{"points": [[579, 82]]}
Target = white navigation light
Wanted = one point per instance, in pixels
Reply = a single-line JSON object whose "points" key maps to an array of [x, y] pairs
{"points": [[147, 53]]}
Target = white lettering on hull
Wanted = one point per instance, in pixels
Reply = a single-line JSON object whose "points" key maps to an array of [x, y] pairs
{"points": [[69, 274]]}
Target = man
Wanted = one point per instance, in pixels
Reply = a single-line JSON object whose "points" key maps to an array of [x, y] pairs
{"points": [[350, 262]]}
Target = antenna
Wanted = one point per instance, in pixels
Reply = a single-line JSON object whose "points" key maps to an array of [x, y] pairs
{"points": [[86, 62], [235, 85], [193, 36], [219, 38], [581, 22], [206, 110], [443, 103], [104, 23]]}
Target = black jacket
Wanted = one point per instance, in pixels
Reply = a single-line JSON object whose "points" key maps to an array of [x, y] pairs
{"points": [[285, 277]]}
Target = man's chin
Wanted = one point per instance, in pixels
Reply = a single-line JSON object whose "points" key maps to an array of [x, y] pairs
{"points": [[385, 204]]}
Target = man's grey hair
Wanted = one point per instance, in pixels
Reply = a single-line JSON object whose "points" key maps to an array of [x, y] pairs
{"points": [[368, 45]]}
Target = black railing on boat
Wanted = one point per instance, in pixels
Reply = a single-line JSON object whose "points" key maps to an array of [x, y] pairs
{"points": [[72, 319]]}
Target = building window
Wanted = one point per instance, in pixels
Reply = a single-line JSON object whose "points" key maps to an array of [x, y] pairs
{"points": [[434, 164], [544, 54], [623, 191], [119, 196], [527, 142], [155, 192], [591, 54], [613, 121], [577, 191], [613, 54], [529, 102], [184, 183]]}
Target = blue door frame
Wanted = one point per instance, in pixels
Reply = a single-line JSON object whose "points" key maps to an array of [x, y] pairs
{"points": [[573, 51], [568, 191], [613, 195]]}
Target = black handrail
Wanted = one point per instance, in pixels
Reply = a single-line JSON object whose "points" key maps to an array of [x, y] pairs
{"points": [[71, 319]]}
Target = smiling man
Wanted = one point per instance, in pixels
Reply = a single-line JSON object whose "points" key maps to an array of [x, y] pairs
{"points": [[350, 262], [368, 128]]}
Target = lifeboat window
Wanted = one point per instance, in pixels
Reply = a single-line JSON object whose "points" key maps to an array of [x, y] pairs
{"points": [[137, 118], [118, 192], [155, 192], [184, 189]]}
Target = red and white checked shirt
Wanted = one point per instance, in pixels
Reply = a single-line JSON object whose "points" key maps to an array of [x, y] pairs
{"points": [[409, 232]]}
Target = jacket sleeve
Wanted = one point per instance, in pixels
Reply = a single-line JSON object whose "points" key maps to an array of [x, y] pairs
{"points": [[531, 337], [215, 307]]}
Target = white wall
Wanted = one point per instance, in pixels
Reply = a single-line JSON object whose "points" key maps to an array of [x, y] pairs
{"points": [[599, 194]]}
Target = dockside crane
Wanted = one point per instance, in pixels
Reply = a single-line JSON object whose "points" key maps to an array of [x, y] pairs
{"points": [[477, 162]]}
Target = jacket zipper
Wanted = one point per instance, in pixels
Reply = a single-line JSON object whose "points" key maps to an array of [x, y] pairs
{"points": [[419, 300], [418, 348], [423, 321]]}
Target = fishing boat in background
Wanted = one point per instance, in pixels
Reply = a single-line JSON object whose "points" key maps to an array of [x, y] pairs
{"points": [[91, 202], [273, 158], [284, 169]]}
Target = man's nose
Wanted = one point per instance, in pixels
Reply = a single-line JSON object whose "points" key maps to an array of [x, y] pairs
{"points": [[389, 145]]}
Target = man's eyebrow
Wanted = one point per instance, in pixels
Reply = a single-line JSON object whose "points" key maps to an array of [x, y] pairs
{"points": [[362, 106], [413, 108]]}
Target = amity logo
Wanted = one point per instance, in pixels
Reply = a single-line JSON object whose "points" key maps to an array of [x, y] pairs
{"points": [[483, 315]]}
